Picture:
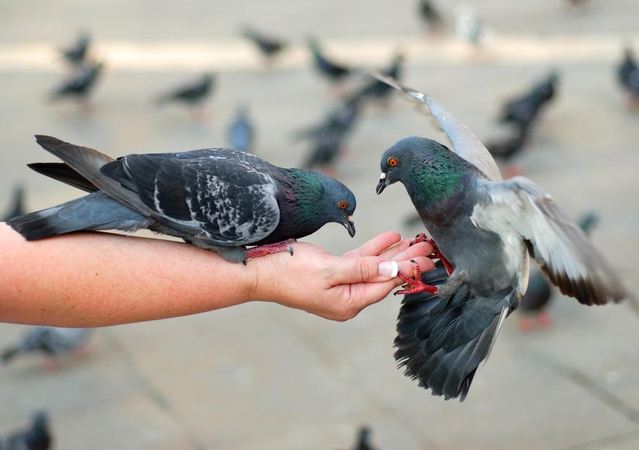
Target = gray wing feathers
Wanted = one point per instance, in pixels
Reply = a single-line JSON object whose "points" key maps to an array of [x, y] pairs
{"points": [[558, 245], [88, 162], [465, 143]]}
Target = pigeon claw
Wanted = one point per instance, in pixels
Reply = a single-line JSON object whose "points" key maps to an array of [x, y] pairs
{"points": [[436, 254], [415, 282], [262, 250]]}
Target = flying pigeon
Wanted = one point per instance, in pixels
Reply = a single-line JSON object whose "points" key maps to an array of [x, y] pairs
{"points": [[483, 229], [215, 198], [80, 84], [535, 301], [628, 75], [76, 54], [328, 138], [240, 131], [333, 71], [524, 109], [52, 341], [36, 437], [191, 94], [268, 46], [17, 204]]}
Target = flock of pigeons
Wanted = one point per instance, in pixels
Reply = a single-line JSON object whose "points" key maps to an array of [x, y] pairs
{"points": [[442, 334]]}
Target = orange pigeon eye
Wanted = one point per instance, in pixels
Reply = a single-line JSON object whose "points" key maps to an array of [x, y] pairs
{"points": [[392, 161], [343, 205]]}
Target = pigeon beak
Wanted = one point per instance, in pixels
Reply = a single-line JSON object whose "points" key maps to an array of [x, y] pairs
{"points": [[383, 182], [350, 226]]}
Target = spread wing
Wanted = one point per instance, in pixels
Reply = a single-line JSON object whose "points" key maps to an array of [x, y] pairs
{"points": [[442, 341], [224, 194], [465, 143], [560, 247]]}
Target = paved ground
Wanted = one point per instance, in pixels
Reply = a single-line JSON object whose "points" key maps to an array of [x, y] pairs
{"points": [[263, 377]]}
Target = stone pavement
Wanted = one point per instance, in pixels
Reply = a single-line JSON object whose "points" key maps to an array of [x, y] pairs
{"points": [[259, 376]]}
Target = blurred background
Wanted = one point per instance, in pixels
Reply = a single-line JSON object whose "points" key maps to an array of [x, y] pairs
{"points": [[287, 80]]}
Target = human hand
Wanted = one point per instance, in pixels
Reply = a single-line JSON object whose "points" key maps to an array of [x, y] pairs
{"points": [[335, 287]]}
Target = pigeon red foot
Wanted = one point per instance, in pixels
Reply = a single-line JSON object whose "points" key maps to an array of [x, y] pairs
{"points": [[436, 254], [415, 282], [262, 250]]}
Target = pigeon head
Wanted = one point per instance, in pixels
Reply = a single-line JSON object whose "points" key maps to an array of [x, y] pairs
{"points": [[430, 172], [313, 200], [338, 204]]}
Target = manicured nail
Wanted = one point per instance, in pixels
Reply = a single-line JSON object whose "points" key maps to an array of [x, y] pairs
{"points": [[388, 269]]}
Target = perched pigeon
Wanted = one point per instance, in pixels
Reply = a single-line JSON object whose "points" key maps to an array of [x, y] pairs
{"points": [[52, 341], [191, 94], [268, 46], [363, 439], [37, 437], [81, 83], [77, 54], [379, 91], [328, 138], [17, 205], [240, 131], [524, 110], [628, 74], [484, 229], [331, 70], [540, 291], [219, 199], [430, 15]]}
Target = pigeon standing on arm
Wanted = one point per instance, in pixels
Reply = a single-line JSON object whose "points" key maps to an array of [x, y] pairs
{"points": [[483, 230], [219, 199]]}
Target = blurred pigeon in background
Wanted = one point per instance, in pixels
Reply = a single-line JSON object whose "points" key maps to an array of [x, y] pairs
{"points": [[269, 47], [331, 70], [192, 94], [80, 84], [241, 132], [76, 55], [328, 139], [430, 16], [16, 208], [483, 230], [376, 90], [628, 75], [52, 341], [363, 439], [509, 143], [36, 437], [524, 110], [469, 28], [218, 199], [535, 301]]}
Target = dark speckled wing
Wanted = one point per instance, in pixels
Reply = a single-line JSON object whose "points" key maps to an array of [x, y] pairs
{"points": [[224, 194], [442, 340]]}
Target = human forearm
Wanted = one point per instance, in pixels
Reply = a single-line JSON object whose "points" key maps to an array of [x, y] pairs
{"points": [[97, 279]]}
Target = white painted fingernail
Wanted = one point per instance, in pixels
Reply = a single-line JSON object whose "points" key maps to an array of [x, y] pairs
{"points": [[388, 269]]}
